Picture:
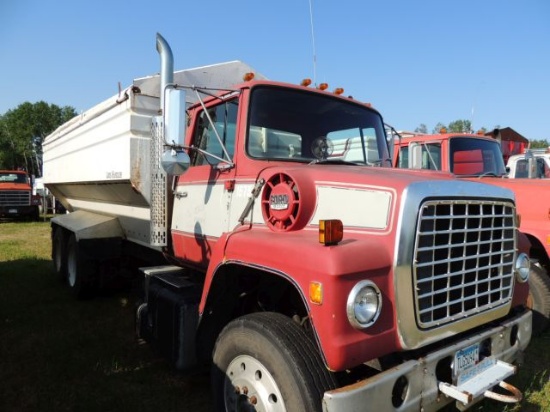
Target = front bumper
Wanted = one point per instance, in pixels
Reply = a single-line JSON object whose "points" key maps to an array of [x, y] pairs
{"points": [[10, 212], [421, 377]]}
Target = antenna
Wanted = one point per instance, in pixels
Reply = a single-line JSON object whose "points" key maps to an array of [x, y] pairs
{"points": [[313, 42]]}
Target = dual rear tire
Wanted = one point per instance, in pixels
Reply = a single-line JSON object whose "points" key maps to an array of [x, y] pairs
{"points": [[70, 264]]}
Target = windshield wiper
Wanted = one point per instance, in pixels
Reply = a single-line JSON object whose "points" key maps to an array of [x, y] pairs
{"points": [[334, 161]]}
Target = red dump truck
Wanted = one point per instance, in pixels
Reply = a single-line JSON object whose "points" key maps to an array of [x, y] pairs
{"points": [[479, 158], [278, 247], [16, 196]]}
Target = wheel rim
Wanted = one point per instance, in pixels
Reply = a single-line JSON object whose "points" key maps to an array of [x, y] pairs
{"points": [[250, 386], [71, 266]]}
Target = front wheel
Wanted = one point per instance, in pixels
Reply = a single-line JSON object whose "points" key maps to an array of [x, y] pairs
{"points": [[265, 361], [539, 298]]}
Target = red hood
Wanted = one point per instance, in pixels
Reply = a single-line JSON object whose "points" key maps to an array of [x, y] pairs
{"points": [[14, 186]]}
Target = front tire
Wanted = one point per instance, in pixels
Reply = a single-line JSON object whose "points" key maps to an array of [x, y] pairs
{"points": [[265, 361], [539, 298]]}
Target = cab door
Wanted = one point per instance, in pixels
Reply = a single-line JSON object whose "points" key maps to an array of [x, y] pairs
{"points": [[203, 194]]}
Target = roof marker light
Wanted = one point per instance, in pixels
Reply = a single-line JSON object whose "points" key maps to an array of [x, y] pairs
{"points": [[338, 91], [305, 82], [248, 76], [323, 86]]}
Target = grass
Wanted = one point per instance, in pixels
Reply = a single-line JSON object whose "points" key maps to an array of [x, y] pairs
{"points": [[58, 354]]}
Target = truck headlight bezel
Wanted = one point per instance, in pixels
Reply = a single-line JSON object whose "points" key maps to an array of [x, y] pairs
{"points": [[364, 304], [522, 268]]}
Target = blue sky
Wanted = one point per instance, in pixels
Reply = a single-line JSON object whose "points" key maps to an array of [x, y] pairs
{"points": [[416, 61]]}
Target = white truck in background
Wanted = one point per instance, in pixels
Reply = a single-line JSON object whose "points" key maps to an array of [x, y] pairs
{"points": [[533, 164]]}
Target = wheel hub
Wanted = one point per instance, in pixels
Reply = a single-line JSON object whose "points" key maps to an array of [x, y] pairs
{"points": [[251, 387]]}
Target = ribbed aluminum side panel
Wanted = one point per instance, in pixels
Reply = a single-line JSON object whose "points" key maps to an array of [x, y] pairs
{"points": [[464, 256], [15, 198]]}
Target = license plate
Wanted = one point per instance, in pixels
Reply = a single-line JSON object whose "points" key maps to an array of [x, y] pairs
{"points": [[465, 359], [467, 365], [12, 210]]}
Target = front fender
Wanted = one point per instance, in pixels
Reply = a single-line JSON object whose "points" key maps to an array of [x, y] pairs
{"points": [[299, 257]]}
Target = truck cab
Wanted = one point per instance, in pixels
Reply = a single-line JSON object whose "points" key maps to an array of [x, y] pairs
{"points": [[17, 200], [533, 164]]}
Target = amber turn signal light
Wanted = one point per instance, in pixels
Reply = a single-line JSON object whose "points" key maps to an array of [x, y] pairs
{"points": [[330, 231], [316, 292]]}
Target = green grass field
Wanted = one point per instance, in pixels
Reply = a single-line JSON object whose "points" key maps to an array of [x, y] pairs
{"points": [[59, 354]]}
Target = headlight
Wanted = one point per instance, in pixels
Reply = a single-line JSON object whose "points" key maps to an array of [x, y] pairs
{"points": [[523, 268], [364, 304]]}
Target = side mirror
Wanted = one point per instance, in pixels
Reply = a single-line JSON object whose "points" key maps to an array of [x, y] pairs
{"points": [[174, 116], [175, 162]]}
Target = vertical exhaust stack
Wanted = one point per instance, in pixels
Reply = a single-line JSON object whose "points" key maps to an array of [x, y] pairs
{"points": [[166, 67], [159, 185]]}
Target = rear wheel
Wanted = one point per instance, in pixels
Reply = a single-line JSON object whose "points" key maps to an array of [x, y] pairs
{"points": [[265, 361], [80, 271], [59, 256], [539, 299]]}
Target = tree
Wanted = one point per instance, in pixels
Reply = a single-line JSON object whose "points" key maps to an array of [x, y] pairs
{"points": [[460, 126], [539, 144], [421, 129], [22, 132]]}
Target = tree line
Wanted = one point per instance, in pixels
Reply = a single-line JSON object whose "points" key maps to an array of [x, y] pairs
{"points": [[23, 129], [22, 132], [465, 126]]}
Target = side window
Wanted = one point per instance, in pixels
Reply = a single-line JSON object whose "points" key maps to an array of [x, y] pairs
{"points": [[403, 159], [521, 169], [222, 124], [431, 157]]}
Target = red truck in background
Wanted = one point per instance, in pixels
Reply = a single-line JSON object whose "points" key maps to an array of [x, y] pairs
{"points": [[16, 196], [278, 247], [479, 158]]}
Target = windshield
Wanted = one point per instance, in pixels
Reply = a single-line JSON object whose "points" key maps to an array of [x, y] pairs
{"points": [[13, 178], [295, 125], [475, 157]]}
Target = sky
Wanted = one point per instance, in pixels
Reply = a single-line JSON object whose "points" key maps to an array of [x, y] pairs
{"points": [[417, 62]]}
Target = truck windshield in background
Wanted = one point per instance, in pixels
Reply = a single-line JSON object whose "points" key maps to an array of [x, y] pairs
{"points": [[475, 157], [17, 178], [467, 157], [292, 125]]}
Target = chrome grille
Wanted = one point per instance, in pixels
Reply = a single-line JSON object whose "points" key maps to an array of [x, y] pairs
{"points": [[464, 256], [15, 198]]}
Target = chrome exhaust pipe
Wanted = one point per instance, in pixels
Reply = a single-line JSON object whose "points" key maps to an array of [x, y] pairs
{"points": [[166, 66]]}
